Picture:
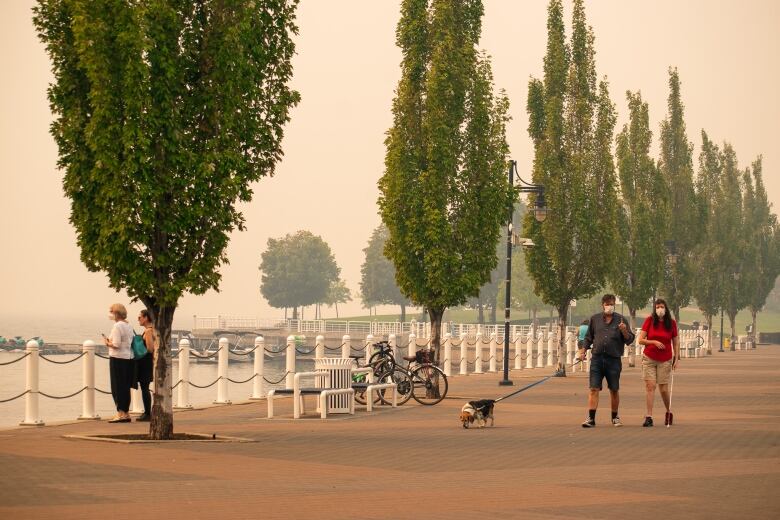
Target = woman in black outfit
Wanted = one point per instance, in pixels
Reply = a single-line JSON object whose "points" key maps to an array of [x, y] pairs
{"points": [[144, 366]]}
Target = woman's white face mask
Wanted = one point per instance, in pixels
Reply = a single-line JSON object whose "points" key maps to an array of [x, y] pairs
{"points": [[660, 311]]}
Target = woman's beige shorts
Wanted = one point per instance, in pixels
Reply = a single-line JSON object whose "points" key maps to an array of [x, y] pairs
{"points": [[658, 371]]}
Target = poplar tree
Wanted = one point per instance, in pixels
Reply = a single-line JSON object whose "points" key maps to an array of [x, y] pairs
{"points": [[641, 216], [709, 277], [676, 165], [571, 122], [444, 193], [762, 234], [164, 114], [377, 275], [730, 232]]}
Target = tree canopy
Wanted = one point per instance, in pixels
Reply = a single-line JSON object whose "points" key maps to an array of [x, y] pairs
{"points": [[165, 113], [377, 275], [571, 123], [444, 193], [297, 270]]}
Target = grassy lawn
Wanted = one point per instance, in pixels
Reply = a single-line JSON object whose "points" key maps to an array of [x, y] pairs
{"points": [[768, 321]]}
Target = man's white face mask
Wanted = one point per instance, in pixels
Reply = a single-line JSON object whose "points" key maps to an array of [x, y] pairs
{"points": [[609, 309]]}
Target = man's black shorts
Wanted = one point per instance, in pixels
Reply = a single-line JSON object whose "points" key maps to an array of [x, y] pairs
{"points": [[602, 366]]}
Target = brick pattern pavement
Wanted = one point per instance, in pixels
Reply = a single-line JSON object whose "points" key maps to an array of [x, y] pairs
{"points": [[720, 460]]}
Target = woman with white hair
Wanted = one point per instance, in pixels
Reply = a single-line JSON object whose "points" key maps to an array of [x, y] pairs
{"points": [[121, 364]]}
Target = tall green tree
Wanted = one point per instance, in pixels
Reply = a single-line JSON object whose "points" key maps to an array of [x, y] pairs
{"points": [[338, 293], [487, 296], [730, 231], [444, 194], [165, 113], [709, 281], [676, 165], [762, 241], [571, 122], [377, 275], [297, 270], [642, 216]]}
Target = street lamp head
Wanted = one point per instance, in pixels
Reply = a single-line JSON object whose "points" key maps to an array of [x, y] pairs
{"points": [[540, 210]]}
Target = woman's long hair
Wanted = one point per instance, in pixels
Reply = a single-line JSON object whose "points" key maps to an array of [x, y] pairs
{"points": [[667, 315]]}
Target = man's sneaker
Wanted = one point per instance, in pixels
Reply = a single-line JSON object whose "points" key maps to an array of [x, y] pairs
{"points": [[648, 422], [589, 423], [616, 422]]}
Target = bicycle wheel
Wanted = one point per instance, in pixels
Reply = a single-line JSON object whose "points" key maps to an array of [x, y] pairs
{"points": [[403, 381], [360, 393], [429, 384], [381, 361]]}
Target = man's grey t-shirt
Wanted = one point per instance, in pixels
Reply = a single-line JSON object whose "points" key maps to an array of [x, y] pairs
{"points": [[606, 338]]}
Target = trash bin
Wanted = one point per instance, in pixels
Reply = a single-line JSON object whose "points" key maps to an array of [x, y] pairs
{"points": [[340, 370]]}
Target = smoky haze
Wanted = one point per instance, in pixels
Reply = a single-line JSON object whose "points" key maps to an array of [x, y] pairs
{"points": [[346, 69]]}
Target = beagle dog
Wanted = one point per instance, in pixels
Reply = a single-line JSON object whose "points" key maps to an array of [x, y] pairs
{"points": [[479, 411]]}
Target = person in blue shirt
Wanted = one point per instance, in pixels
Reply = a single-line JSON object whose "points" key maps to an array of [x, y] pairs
{"points": [[581, 337]]}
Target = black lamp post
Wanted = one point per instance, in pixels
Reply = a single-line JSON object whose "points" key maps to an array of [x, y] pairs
{"points": [[540, 213]]}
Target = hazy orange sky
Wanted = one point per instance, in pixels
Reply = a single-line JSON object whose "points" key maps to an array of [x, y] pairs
{"points": [[346, 69]]}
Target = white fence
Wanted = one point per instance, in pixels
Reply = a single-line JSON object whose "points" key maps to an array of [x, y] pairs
{"points": [[462, 354]]}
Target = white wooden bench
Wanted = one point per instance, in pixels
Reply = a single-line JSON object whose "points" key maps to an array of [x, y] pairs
{"points": [[298, 392], [372, 387]]}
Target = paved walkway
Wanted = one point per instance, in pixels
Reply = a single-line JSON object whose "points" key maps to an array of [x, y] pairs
{"points": [[720, 460]]}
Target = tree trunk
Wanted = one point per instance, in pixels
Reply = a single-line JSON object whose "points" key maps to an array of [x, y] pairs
{"points": [[295, 313], [493, 313], [563, 312], [403, 313], [632, 324], [285, 314], [677, 314], [436, 317], [337, 310], [481, 314], [534, 324], [709, 334], [161, 425], [733, 325]]}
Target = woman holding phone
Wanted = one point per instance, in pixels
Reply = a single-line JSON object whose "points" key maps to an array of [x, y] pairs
{"points": [[121, 364], [660, 356]]}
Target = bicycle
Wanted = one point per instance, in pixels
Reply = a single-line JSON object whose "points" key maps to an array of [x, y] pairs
{"points": [[384, 368], [428, 382]]}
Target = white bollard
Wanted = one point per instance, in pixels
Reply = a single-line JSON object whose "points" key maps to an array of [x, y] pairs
{"points": [[412, 348], [448, 354], [88, 380], [529, 348], [464, 352], [570, 346], [319, 349], [183, 401], [259, 359], [518, 350], [478, 353], [493, 344], [290, 365], [222, 371], [346, 346], [391, 340], [552, 347], [31, 417], [369, 347]]}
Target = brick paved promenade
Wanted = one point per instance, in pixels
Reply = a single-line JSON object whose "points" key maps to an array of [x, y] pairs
{"points": [[720, 460]]}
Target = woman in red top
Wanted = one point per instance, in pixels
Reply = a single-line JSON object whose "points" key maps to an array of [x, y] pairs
{"points": [[660, 356]]}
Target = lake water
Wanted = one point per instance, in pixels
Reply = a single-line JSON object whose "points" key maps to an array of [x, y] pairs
{"points": [[61, 380]]}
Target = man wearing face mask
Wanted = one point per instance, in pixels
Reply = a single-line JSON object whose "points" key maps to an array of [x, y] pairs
{"points": [[607, 335]]}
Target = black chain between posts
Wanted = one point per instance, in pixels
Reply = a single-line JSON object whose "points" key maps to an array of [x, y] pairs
{"points": [[271, 351], [12, 362], [334, 348], [61, 397], [15, 397], [245, 353], [361, 348], [305, 352], [244, 381], [180, 381], [205, 386], [102, 356], [62, 362], [276, 382], [201, 356], [102, 391]]}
